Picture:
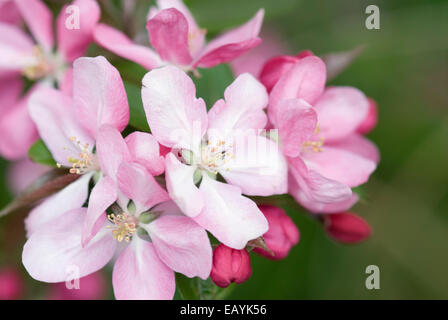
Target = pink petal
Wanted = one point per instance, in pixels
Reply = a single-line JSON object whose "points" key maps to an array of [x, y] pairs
{"points": [[22, 173], [181, 188], [74, 42], [253, 61], [144, 150], [139, 274], [305, 80], [196, 36], [232, 218], [17, 130], [39, 20], [98, 94], [274, 69], [54, 253], [296, 122], [231, 44], [118, 43], [258, 167], [316, 187], [56, 121], [341, 111], [168, 32], [182, 245], [360, 146], [10, 94], [371, 119], [176, 117], [9, 13], [245, 100], [16, 48], [103, 195], [340, 165], [71, 197], [138, 185], [111, 150], [66, 83]]}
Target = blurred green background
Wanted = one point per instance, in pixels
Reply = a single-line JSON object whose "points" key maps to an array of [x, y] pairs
{"points": [[405, 69]]}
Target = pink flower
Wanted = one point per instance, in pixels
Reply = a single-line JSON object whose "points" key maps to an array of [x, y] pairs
{"points": [[69, 126], [11, 284], [91, 287], [148, 233], [36, 60], [226, 141], [318, 131], [282, 234], [230, 265], [178, 40], [346, 227]]}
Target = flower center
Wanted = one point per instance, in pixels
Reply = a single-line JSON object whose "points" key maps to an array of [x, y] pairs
{"points": [[216, 154], [86, 160], [124, 226], [41, 68], [316, 143]]}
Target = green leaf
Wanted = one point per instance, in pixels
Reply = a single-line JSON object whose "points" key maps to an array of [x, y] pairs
{"points": [[187, 287], [137, 113], [39, 153], [211, 83]]}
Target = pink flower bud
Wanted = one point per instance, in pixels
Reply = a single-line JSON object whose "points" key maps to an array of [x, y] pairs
{"points": [[282, 234], [346, 227], [304, 54], [91, 287], [230, 265], [11, 284], [371, 120]]}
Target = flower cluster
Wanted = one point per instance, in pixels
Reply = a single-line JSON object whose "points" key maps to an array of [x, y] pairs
{"points": [[156, 203]]}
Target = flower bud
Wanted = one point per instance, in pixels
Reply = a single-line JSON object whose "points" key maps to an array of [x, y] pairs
{"points": [[11, 284], [371, 119], [282, 234], [230, 265], [346, 227]]}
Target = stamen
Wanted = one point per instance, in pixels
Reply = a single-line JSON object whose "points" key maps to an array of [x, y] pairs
{"points": [[316, 146], [40, 69], [85, 161], [125, 226], [214, 156]]}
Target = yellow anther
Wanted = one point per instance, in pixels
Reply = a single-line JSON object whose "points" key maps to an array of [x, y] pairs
{"points": [[40, 69], [125, 226]]}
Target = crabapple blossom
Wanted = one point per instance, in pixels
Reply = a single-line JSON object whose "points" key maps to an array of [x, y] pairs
{"points": [[177, 39], [230, 265]]}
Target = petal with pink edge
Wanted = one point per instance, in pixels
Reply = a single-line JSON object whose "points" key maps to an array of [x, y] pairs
{"points": [[73, 42], [181, 188], [258, 167], [245, 100], [145, 150], [111, 150], [118, 43], [39, 20], [296, 123], [168, 33], [341, 110], [274, 68], [71, 197], [315, 186], [305, 80], [176, 117], [103, 195], [10, 94], [16, 48], [139, 274], [137, 184], [232, 218], [340, 165], [360, 146], [231, 44], [182, 245], [55, 118], [98, 94], [54, 254]]}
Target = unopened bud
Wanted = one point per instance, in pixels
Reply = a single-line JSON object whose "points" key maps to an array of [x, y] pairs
{"points": [[230, 265], [282, 234], [346, 227]]}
